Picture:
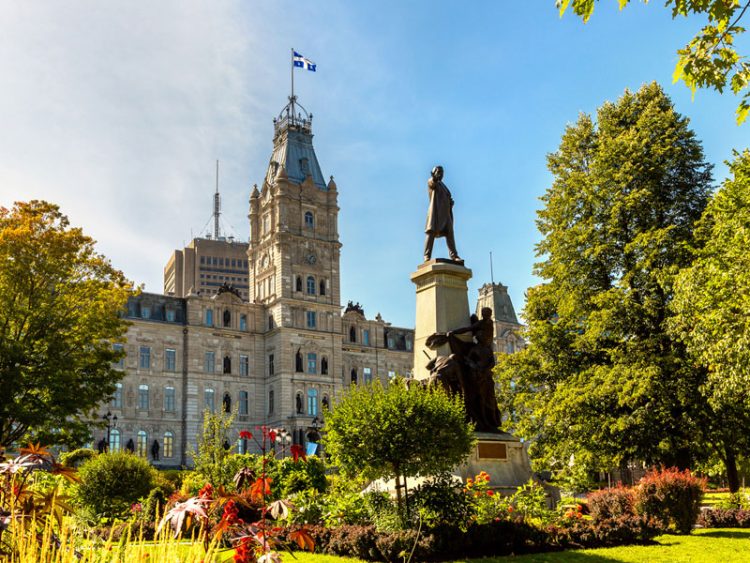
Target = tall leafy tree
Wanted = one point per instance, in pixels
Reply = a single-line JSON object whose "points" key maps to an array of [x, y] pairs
{"points": [[59, 317], [711, 301], [601, 379], [710, 59]]}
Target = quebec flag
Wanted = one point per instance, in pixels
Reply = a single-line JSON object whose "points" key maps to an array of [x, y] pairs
{"points": [[302, 62]]}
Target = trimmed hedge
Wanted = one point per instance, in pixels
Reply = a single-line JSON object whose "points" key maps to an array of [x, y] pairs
{"points": [[504, 537], [724, 518]]}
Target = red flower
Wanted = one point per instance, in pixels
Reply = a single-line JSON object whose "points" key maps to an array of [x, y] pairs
{"points": [[231, 513], [490, 493], [243, 552], [246, 435], [207, 491]]}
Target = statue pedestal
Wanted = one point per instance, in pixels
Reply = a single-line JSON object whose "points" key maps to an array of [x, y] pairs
{"points": [[503, 457], [442, 305]]}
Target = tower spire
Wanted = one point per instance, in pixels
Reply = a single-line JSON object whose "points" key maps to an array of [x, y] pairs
{"points": [[217, 204]]}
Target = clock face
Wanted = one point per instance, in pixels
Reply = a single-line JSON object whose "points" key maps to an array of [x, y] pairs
{"points": [[311, 259]]}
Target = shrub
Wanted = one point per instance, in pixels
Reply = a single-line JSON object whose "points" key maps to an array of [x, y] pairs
{"points": [[75, 458], [440, 500], [112, 482], [611, 503], [174, 476], [287, 475], [505, 537], [724, 518], [671, 496]]}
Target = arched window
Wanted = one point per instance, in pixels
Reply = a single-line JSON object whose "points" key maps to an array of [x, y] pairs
{"points": [[324, 366], [227, 318], [312, 402], [354, 376], [310, 285], [168, 444], [309, 219], [227, 403], [322, 287], [209, 317], [141, 445], [114, 440], [243, 322], [298, 284], [352, 334], [298, 361]]}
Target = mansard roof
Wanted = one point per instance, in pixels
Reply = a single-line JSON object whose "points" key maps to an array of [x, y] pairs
{"points": [[495, 296], [293, 148]]}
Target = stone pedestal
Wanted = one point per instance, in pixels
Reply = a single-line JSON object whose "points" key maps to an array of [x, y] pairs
{"points": [[442, 305], [503, 457]]}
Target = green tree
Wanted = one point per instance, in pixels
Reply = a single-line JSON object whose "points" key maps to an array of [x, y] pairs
{"points": [[396, 432], [601, 379], [712, 299], [60, 305], [710, 59], [214, 448]]}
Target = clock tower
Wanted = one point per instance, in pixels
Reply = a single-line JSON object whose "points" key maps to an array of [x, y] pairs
{"points": [[294, 256]]}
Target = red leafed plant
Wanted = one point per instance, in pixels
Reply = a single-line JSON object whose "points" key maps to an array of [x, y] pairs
{"points": [[671, 496], [217, 513]]}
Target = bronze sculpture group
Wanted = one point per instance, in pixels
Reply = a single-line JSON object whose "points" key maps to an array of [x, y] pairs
{"points": [[467, 371]]}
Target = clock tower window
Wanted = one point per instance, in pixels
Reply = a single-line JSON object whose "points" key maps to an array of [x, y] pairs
{"points": [[310, 285]]}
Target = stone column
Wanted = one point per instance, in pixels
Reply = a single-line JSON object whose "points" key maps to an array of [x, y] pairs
{"points": [[442, 305]]}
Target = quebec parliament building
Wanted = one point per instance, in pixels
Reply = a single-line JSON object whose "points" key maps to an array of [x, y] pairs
{"points": [[257, 328]]}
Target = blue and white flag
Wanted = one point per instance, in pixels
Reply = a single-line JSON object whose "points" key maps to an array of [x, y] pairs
{"points": [[302, 62]]}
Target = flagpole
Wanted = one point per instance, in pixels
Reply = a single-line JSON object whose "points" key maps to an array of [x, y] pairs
{"points": [[292, 71]]}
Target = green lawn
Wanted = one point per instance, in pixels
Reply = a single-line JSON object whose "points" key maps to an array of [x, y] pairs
{"points": [[714, 545]]}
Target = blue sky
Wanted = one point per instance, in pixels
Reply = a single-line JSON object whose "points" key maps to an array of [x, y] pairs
{"points": [[117, 111]]}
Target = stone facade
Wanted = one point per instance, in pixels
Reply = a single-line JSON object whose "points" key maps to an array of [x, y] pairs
{"points": [[276, 352]]}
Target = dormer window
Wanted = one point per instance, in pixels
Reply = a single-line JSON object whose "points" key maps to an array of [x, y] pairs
{"points": [[309, 219], [304, 166]]}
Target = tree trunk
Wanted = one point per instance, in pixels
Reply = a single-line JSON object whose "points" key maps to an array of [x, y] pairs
{"points": [[399, 501], [406, 499], [730, 463]]}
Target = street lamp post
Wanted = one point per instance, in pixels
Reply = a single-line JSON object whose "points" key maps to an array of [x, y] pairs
{"points": [[283, 438], [111, 423]]}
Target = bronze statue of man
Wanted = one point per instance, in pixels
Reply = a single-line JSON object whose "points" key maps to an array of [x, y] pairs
{"points": [[439, 215], [468, 370]]}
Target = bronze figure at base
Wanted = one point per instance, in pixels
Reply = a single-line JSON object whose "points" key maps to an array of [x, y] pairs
{"points": [[468, 369]]}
